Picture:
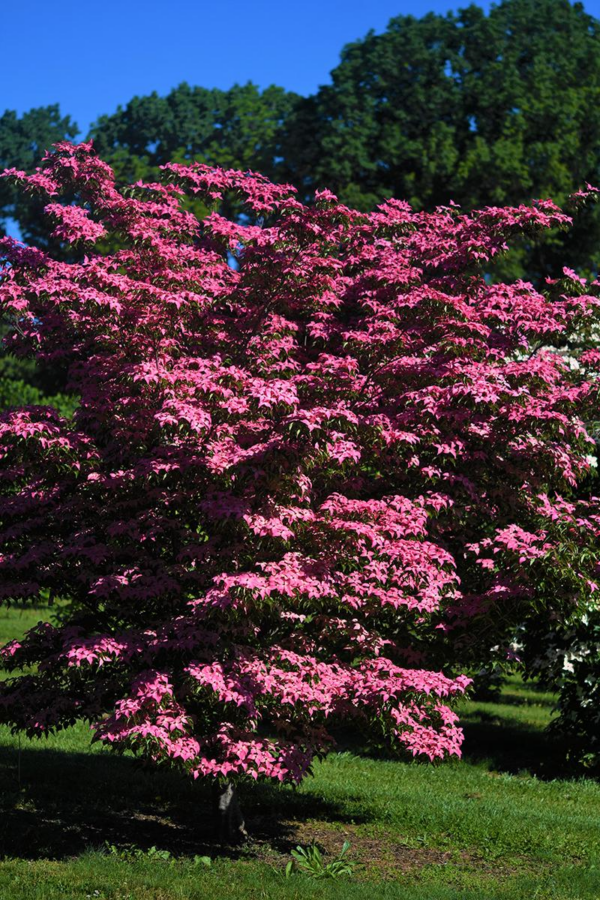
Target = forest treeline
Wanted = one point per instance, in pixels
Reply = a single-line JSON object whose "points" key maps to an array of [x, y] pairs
{"points": [[472, 107]]}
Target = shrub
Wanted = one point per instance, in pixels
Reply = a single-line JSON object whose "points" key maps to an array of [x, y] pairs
{"points": [[305, 443]]}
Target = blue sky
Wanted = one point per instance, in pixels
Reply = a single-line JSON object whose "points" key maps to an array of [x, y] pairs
{"points": [[91, 55]]}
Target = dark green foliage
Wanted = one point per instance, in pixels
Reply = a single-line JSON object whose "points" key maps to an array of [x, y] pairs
{"points": [[388, 123], [23, 142], [477, 108], [579, 700], [23, 382], [480, 109], [239, 128], [565, 655]]}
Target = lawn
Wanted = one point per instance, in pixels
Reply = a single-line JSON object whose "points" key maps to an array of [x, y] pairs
{"points": [[505, 822]]}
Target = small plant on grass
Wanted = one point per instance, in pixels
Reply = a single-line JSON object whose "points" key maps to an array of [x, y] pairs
{"points": [[134, 853], [309, 861], [130, 853]]}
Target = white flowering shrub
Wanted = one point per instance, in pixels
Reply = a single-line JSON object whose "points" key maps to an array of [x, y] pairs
{"points": [[570, 663]]}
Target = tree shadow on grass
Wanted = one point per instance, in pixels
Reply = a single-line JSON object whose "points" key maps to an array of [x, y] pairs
{"points": [[67, 802], [505, 744], [507, 698], [515, 747]]}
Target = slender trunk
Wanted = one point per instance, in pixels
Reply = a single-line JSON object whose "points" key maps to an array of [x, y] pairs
{"points": [[230, 826]]}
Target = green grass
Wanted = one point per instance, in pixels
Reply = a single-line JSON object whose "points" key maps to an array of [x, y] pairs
{"points": [[78, 822]]}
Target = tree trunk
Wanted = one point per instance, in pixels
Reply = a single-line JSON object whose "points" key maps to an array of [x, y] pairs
{"points": [[230, 826]]}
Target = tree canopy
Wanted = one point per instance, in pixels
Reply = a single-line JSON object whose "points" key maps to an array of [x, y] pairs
{"points": [[239, 128], [479, 109], [23, 142], [474, 107], [283, 477]]}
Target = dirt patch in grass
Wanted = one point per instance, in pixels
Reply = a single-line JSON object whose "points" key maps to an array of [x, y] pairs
{"points": [[378, 854]]}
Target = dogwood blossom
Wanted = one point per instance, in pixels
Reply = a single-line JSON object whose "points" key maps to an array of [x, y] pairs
{"points": [[281, 475]]}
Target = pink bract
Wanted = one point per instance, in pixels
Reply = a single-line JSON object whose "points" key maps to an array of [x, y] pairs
{"points": [[284, 475]]}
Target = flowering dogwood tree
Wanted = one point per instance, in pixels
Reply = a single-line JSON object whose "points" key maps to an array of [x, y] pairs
{"points": [[305, 440]]}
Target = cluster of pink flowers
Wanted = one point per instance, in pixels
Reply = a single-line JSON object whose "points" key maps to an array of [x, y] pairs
{"points": [[284, 475]]}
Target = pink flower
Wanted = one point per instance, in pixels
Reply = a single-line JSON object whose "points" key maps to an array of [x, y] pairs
{"points": [[283, 483]]}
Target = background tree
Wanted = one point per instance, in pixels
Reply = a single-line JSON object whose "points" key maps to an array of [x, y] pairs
{"points": [[23, 142], [23, 381], [482, 109], [479, 109], [239, 128]]}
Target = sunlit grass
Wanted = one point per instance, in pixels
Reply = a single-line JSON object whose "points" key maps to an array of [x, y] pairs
{"points": [[78, 822]]}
